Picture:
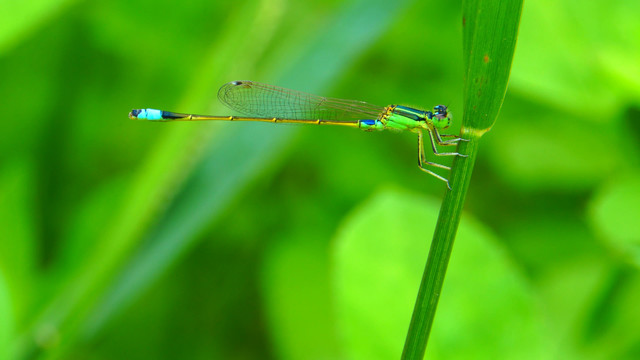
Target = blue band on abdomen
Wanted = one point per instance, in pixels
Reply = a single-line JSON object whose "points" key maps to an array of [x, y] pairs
{"points": [[150, 114]]}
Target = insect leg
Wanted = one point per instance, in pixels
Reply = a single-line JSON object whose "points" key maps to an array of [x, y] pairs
{"points": [[435, 149], [447, 142], [422, 161]]}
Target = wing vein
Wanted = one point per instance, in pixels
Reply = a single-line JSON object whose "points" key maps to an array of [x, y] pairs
{"points": [[263, 100]]}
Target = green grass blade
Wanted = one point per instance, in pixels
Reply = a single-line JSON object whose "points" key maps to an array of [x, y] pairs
{"points": [[490, 32], [489, 40]]}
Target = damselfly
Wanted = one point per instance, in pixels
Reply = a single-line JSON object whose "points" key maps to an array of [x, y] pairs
{"points": [[268, 103]]}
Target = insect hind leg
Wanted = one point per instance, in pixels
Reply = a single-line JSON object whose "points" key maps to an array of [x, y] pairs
{"points": [[422, 162]]}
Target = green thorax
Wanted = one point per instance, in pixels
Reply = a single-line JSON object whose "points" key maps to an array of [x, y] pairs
{"points": [[403, 118]]}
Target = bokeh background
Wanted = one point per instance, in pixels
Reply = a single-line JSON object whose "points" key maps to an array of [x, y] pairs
{"points": [[138, 240]]}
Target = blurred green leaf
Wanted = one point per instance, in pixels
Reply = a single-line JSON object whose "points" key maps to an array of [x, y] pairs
{"points": [[104, 200], [544, 243], [584, 278], [564, 60], [169, 162], [244, 153], [615, 328], [19, 18], [544, 149], [490, 32], [614, 212], [379, 259], [298, 299], [6, 325], [18, 243]]}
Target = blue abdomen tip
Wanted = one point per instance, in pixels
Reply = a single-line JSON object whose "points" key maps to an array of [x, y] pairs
{"points": [[150, 114]]}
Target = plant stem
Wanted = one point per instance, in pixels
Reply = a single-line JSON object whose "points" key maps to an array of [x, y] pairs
{"points": [[440, 251], [490, 30]]}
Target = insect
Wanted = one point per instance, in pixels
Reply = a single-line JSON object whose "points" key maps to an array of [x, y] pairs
{"points": [[268, 103]]}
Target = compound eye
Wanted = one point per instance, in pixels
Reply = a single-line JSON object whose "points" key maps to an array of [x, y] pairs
{"points": [[440, 111]]}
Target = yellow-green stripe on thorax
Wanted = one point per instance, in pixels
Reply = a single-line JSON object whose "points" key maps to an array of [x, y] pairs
{"points": [[403, 118]]}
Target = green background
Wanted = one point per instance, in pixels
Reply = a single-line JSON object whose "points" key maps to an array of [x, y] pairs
{"points": [[140, 240]]}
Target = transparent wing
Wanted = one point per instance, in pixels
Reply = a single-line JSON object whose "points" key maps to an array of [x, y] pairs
{"points": [[257, 99]]}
